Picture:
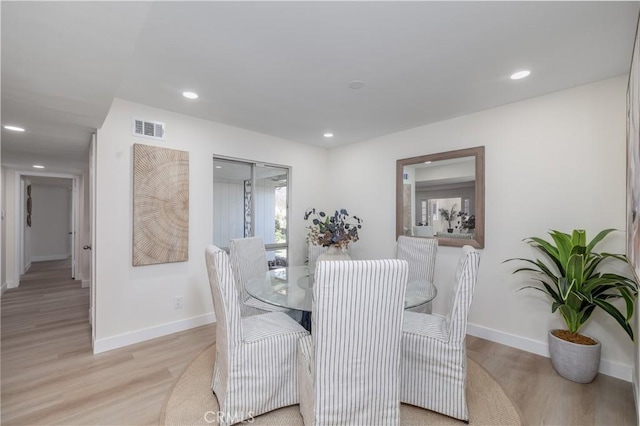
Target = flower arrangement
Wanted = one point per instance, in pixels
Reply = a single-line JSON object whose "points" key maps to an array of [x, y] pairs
{"points": [[338, 230]]}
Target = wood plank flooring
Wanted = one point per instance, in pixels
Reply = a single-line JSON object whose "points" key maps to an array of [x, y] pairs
{"points": [[50, 376]]}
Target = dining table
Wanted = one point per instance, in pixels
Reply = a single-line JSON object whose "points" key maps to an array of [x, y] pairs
{"points": [[292, 287]]}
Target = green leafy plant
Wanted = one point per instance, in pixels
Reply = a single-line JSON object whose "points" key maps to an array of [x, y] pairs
{"points": [[575, 282], [449, 215], [339, 230]]}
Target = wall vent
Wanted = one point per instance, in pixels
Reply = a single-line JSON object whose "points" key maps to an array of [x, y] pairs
{"points": [[148, 129]]}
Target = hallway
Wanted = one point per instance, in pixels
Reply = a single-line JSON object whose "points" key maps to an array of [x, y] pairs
{"points": [[49, 373], [47, 304]]}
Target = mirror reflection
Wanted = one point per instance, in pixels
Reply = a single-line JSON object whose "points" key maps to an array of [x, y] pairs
{"points": [[442, 196]]}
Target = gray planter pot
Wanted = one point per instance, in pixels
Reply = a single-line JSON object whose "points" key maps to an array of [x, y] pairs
{"points": [[578, 363]]}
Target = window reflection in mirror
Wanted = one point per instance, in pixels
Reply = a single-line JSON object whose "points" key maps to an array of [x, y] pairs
{"points": [[442, 196]]}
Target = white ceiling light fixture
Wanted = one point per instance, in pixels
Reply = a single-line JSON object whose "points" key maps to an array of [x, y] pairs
{"points": [[356, 84], [190, 95], [38, 166], [520, 74], [14, 128], [328, 135]]}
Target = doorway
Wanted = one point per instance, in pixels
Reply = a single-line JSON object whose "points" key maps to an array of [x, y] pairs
{"points": [[47, 212]]}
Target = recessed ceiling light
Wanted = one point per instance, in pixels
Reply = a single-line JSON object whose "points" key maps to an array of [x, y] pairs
{"points": [[14, 128], [520, 74], [427, 162], [38, 166], [218, 167], [190, 95], [356, 84], [328, 135]]}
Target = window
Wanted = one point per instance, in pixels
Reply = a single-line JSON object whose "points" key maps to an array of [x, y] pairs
{"points": [[251, 199]]}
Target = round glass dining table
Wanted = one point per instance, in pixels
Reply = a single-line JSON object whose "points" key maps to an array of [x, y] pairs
{"points": [[292, 288]]}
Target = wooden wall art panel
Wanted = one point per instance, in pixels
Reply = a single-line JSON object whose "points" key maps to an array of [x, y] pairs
{"points": [[160, 205]]}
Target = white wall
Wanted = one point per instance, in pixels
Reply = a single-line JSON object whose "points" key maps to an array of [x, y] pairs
{"points": [[136, 303], [3, 231], [50, 222], [553, 162], [12, 275]]}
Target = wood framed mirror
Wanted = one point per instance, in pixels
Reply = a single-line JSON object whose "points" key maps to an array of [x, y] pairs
{"points": [[442, 196]]}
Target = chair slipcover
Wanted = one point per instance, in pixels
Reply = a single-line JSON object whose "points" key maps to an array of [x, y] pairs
{"points": [[249, 261], [349, 368], [434, 359], [314, 251], [255, 367], [423, 231], [420, 253]]}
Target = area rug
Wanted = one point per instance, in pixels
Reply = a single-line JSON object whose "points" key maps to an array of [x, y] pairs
{"points": [[191, 401]]}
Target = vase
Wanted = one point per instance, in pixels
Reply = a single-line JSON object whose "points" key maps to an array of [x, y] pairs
{"points": [[450, 230], [578, 363], [334, 253]]}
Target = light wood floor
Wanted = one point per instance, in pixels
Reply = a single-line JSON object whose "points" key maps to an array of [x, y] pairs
{"points": [[50, 376]]}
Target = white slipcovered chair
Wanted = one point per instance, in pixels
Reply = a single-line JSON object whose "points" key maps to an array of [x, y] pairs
{"points": [[349, 367], [255, 367], [420, 254], [249, 261], [314, 252], [423, 231], [434, 358]]}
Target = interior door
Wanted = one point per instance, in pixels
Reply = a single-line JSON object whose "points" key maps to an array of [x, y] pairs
{"points": [[92, 236], [72, 227]]}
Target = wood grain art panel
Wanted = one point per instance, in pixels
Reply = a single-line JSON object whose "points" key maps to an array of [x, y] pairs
{"points": [[160, 205]]}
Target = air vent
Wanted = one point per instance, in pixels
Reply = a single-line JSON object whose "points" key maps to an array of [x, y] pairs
{"points": [[148, 129]]}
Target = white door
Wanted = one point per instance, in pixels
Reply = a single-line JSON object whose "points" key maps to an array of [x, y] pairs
{"points": [[92, 236], [72, 232]]}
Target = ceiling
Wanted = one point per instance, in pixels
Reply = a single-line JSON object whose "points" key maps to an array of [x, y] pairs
{"points": [[283, 68]]}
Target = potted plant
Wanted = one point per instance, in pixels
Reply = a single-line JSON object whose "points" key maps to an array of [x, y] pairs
{"points": [[449, 216], [468, 222], [576, 283]]}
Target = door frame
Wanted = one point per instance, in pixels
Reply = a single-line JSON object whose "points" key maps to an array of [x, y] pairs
{"points": [[20, 215]]}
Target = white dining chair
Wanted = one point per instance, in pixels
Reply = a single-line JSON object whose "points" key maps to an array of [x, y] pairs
{"points": [[255, 369], [349, 367], [420, 254], [315, 250], [434, 358], [423, 231], [249, 261]]}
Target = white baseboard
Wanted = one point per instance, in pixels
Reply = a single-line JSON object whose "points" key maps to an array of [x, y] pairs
{"points": [[50, 257], [609, 368], [27, 267], [126, 339], [9, 284], [635, 398], [85, 283]]}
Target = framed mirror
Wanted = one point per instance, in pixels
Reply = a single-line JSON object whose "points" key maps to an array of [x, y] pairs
{"points": [[442, 196]]}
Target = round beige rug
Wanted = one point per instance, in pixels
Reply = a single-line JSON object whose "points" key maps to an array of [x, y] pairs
{"points": [[191, 401]]}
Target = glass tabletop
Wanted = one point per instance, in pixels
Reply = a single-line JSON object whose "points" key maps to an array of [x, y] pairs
{"points": [[291, 288]]}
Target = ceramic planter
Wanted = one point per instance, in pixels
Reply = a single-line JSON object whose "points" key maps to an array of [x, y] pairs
{"points": [[575, 362]]}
